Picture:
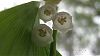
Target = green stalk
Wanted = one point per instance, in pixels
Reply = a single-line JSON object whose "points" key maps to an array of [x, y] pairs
{"points": [[53, 44]]}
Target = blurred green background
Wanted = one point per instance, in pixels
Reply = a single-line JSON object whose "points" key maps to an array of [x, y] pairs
{"points": [[84, 38]]}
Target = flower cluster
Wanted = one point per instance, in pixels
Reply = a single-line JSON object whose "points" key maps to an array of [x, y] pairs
{"points": [[62, 21]]}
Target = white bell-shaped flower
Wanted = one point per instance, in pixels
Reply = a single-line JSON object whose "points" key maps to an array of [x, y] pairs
{"points": [[47, 11], [62, 21], [42, 35]]}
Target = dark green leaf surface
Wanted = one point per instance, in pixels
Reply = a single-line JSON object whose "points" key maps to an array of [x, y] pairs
{"points": [[15, 31]]}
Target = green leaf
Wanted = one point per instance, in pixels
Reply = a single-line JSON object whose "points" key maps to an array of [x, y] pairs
{"points": [[58, 54], [15, 31]]}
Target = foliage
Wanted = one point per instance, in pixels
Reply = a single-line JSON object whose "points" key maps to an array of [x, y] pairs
{"points": [[16, 26]]}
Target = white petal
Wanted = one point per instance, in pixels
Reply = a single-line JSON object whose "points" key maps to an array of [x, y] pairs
{"points": [[52, 9], [66, 26], [39, 40]]}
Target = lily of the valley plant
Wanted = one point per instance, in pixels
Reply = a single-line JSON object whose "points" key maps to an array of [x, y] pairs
{"points": [[43, 34], [62, 21], [21, 34]]}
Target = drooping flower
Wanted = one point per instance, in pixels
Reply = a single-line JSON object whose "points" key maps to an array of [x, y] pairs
{"points": [[42, 35], [47, 11], [62, 21]]}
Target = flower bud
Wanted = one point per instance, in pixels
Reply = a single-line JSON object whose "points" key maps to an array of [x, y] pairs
{"points": [[62, 21], [42, 35], [47, 11]]}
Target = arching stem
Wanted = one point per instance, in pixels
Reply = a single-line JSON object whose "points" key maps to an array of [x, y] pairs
{"points": [[53, 44]]}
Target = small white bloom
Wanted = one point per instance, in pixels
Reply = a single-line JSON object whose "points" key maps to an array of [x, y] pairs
{"points": [[42, 35], [47, 11], [62, 21]]}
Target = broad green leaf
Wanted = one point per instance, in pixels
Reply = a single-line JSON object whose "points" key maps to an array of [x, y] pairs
{"points": [[15, 31]]}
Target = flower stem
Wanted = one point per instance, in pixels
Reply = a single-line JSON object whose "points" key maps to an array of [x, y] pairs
{"points": [[53, 44]]}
